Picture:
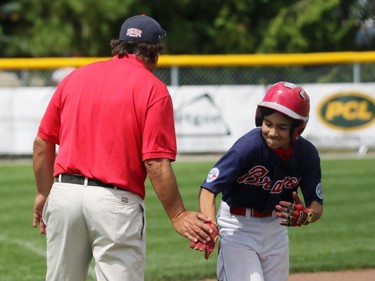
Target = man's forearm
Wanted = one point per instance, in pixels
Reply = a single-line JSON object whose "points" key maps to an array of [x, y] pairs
{"points": [[164, 183], [43, 161]]}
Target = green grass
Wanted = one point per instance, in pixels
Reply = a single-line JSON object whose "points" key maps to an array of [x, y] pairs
{"points": [[344, 238]]}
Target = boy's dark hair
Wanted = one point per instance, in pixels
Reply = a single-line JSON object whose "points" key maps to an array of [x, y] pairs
{"points": [[265, 111]]}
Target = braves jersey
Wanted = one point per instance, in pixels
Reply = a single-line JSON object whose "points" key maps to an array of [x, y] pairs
{"points": [[252, 175]]}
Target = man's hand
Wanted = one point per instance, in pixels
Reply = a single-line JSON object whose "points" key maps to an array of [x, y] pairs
{"points": [[208, 247], [193, 226], [39, 202], [294, 214]]}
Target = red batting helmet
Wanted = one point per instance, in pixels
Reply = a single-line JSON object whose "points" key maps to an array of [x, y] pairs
{"points": [[290, 100]]}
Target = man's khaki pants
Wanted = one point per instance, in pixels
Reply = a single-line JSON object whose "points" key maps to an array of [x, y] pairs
{"points": [[89, 221]]}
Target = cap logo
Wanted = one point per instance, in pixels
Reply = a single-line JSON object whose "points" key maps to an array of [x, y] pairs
{"points": [[134, 32]]}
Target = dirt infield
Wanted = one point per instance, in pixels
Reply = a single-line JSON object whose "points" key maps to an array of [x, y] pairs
{"points": [[350, 275]]}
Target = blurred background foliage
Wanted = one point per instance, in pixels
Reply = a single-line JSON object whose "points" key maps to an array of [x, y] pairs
{"points": [[43, 28]]}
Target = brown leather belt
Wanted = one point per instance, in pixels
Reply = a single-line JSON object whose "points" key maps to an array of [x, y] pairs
{"points": [[247, 212], [78, 179]]}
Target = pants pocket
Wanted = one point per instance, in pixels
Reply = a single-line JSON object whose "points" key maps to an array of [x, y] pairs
{"points": [[142, 225]]}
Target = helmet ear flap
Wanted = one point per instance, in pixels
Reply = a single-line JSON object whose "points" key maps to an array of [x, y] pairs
{"points": [[297, 129]]}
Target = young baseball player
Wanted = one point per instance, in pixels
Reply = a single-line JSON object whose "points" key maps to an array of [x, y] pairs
{"points": [[258, 178]]}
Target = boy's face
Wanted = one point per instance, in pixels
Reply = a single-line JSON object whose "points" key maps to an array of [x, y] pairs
{"points": [[276, 130]]}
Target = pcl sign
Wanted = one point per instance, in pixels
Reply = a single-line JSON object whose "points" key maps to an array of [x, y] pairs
{"points": [[347, 111]]}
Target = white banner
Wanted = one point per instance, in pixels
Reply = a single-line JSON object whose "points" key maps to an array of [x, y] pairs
{"points": [[212, 118], [341, 115], [21, 110]]}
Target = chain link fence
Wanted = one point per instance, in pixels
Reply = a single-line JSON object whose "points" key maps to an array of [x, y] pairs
{"points": [[213, 75], [341, 73]]}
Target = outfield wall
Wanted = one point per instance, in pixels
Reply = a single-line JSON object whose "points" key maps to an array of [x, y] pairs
{"points": [[210, 118]]}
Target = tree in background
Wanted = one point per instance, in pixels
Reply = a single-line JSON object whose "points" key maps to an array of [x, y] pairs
{"points": [[41, 28], [9, 17], [365, 37]]}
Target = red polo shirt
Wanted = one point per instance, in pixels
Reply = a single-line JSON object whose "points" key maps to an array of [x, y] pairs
{"points": [[107, 118]]}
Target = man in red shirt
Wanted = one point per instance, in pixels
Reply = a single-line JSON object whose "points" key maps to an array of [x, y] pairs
{"points": [[113, 124]]}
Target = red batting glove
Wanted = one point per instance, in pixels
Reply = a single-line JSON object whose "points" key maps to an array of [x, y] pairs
{"points": [[294, 214], [209, 246]]}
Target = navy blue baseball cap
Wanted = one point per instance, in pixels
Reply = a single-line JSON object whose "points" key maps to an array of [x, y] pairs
{"points": [[142, 29]]}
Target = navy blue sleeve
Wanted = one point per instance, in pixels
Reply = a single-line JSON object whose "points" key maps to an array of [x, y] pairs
{"points": [[224, 172], [311, 185]]}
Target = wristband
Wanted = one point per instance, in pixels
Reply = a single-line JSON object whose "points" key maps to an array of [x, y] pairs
{"points": [[309, 217]]}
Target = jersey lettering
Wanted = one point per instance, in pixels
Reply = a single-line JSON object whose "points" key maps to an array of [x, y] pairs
{"points": [[257, 176]]}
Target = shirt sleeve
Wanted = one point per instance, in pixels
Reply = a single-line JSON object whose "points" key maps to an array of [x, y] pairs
{"points": [[311, 185], [49, 128], [224, 173], [159, 137]]}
